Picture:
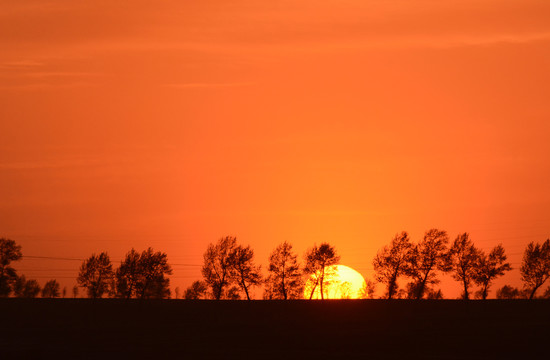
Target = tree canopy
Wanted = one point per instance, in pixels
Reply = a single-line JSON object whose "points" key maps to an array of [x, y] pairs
{"points": [[96, 275], [392, 261], [429, 255], [216, 267], [285, 278], [535, 268], [489, 267], [9, 252], [51, 289], [243, 271], [318, 261], [463, 259]]}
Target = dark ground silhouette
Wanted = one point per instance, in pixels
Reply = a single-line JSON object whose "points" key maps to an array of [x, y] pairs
{"points": [[334, 329]]}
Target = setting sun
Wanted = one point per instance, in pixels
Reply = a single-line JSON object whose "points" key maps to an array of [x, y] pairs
{"points": [[340, 282]]}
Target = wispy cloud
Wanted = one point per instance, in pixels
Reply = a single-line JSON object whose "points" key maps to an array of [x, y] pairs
{"points": [[208, 85], [75, 162], [20, 64], [43, 85], [487, 39], [49, 74]]}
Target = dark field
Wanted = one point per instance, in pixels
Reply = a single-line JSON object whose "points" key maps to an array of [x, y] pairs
{"points": [[377, 329]]}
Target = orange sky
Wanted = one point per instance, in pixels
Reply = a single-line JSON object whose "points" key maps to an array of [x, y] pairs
{"points": [[173, 123]]}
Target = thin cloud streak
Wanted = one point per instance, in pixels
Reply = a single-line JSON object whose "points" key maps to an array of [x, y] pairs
{"points": [[20, 64], [208, 85], [41, 86]]}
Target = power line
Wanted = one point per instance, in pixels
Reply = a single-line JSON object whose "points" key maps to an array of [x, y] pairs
{"points": [[77, 259], [51, 258]]}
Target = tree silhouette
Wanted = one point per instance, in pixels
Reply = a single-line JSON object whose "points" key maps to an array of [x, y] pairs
{"points": [[392, 262], [535, 268], [128, 275], [96, 275], [463, 258], [9, 251], [75, 292], [429, 255], [433, 294], [489, 267], [51, 289], [23, 288], [367, 291], [233, 292], [317, 263], [177, 292], [284, 280], [509, 292], [242, 268], [64, 292], [216, 267], [153, 282], [197, 290], [143, 275]]}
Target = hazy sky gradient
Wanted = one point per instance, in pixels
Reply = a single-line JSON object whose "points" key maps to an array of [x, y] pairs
{"points": [[172, 123]]}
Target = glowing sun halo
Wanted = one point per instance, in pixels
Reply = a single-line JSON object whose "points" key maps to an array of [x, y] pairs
{"points": [[341, 282]]}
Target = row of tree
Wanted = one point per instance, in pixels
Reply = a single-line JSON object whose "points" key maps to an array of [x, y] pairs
{"points": [[20, 286], [225, 274], [229, 267], [229, 271], [140, 275], [421, 262]]}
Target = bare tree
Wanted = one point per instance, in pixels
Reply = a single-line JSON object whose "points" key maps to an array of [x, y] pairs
{"points": [[197, 290], [535, 269], [24, 288], [50, 289], [429, 255], [75, 291], [216, 267], [284, 280], [9, 252], [243, 271], [96, 275], [318, 262], [463, 258], [489, 267], [392, 262]]}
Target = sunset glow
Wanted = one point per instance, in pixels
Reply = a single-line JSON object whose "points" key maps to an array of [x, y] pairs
{"points": [[342, 282], [171, 124]]}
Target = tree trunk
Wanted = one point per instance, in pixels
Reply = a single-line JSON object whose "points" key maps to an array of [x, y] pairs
{"points": [[322, 281], [466, 294], [484, 292], [532, 295], [420, 291], [243, 283], [284, 289], [313, 290], [392, 285], [391, 290]]}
